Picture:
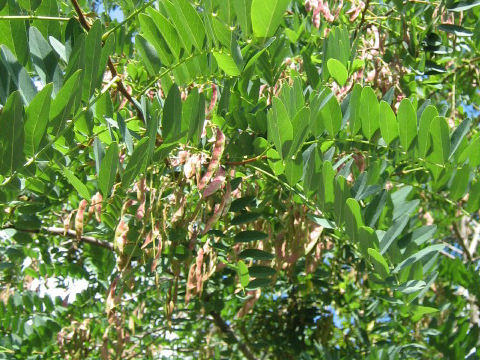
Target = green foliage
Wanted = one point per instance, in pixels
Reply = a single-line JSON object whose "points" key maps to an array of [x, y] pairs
{"points": [[307, 178]]}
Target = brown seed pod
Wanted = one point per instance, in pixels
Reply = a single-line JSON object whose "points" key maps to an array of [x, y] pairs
{"points": [[191, 283], [198, 270], [120, 237], [217, 153], [79, 219], [226, 200], [66, 222], [96, 206], [216, 184]]}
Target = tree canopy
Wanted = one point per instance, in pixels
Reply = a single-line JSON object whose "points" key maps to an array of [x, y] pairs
{"points": [[239, 179]]}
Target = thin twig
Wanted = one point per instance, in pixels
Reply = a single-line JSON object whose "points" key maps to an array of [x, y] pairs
{"points": [[223, 326], [362, 20], [70, 234], [130, 17], [110, 64], [461, 240], [246, 161], [33, 17]]}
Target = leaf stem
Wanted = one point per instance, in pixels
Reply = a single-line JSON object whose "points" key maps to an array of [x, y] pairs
{"points": [[130, 17], [33, 17], [60, 134]]}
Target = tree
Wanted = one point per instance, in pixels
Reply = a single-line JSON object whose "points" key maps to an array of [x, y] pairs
{"points": [[239, 179]]}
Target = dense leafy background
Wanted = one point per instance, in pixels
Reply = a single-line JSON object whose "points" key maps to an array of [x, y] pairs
{"points": [[239, 179]]}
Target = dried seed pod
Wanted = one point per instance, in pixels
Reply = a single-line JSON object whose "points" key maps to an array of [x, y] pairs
{"points": [[96, 206], [217, 153], [112, 300], [198, 270], [213, 100], [226, 200], [120, 237], [156, 233], [248, 305], [190, 167], [79, 219], [216, 184], [191, 284], [66, 222]]}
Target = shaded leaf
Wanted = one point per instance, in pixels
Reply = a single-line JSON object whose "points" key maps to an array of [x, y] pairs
{"points": [[108, 169], [36, 120], [250, 235], [12, 134], [79, 186]]}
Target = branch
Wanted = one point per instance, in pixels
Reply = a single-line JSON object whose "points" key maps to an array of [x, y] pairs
{"points": [[111, 66], [130, 17], [461, 240], [246, 161], [33, 17], [362, 20], [223, 326], [70, 234]]}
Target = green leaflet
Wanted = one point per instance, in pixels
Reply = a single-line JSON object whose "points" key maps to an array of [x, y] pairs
{"points": [[152, 34], [255, 254], [148, 55], [245, 218], [93, 46], [440, 140], [63, 104], [367, 239], [260, 271], [275, 162], [242, 10], [11, 134], [168, 33], [77, 184], [354, 105], [388, 123], [193, 114], [243, 275], [353, 219], [136, 163], [379, 263], [280, 130], [226, 63], [418, 256], [36, 120], [14, 33], [459, 183], [293, 170], [326, 195], [44, 60], [471, 152], [300, 130], [407, 123], [369, 112], [250, 235], [172, 115], [393, 232], [326, 113], [187, 22], [462, 5], [423, 141], [18, 74], [267, 16], [342, 193], [455, 29], [338, 71], [312, 168]]}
